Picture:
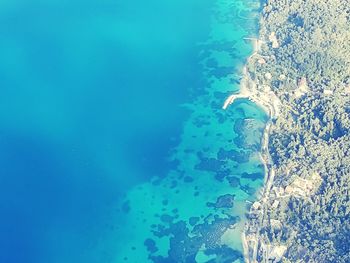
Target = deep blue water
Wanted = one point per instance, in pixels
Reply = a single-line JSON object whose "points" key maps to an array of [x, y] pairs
{"points": [[89, 107]]}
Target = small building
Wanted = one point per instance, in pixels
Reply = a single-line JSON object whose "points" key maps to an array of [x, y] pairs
{"points": [[256, 205], [261, 61], [327, 92], [273, 40], [282, 77], [268, 75], [275, 223]]}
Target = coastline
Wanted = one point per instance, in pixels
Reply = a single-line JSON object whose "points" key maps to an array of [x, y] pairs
{"points": [[193, 154], [305, 195], [266, 99]]}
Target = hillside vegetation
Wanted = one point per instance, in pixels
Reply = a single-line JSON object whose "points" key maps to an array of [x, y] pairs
{"points": [[306, 61]]}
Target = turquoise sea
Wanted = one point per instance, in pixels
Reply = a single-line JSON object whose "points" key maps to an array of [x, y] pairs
{"points": [[114, 146]]}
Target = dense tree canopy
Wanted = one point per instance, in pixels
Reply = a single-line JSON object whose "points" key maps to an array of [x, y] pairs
{"points": [[311, 135]]}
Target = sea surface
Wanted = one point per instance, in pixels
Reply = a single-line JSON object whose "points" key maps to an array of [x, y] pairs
{"points": [[114, 146]]}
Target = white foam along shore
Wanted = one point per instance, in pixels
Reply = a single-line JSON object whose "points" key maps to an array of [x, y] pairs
{"points": [[264, 97]]}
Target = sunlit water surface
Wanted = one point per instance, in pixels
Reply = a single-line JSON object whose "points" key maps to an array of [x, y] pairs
{"points": [[113, 143]]}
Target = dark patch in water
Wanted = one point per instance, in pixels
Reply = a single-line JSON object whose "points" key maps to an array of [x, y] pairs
{"points": [[173, 184], [193, 220], [209, 164], [252, 176], [221, 72], [235, 81], [126, 207], [200, 121], [157, 182], [224, 46], [150, 245], [211, 63], [220, 175], [166, 218], [188, 179], [224, 201], [249, 190], [221, 119], [184, 245], [233, 181], [237, 156]]}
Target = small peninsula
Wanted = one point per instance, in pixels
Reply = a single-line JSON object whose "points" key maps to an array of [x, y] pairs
{"points": [[300, 74]]}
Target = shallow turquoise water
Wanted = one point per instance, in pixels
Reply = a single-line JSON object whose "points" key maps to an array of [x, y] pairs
{"points": [[113, 143]]}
